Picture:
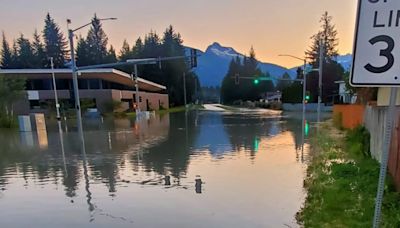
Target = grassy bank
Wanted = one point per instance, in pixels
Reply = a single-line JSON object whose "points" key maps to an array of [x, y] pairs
{"points": [[342, 182]]}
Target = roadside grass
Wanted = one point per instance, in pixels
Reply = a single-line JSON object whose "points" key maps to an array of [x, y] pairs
{"points": [[342, 181]]}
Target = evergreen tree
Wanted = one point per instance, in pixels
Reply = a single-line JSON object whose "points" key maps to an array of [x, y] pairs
{"points": [[246, 89], [6, 54], [82, 52], [96, 43], [25, 53], [282, 84], [332, 71], [111, 55], [14, 55], [137, 50], [327, 37], [55, 42], [125, 52], [39, 53]]}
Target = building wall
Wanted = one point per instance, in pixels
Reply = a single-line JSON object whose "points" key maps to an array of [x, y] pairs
{"points": [[102, 97]]}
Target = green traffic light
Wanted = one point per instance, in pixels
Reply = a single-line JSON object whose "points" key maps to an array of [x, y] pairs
{"points": [[308, 97], [256, 81]]}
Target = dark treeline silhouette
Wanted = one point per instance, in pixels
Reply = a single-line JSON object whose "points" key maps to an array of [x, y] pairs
{"points": [[93, 49], [332, 70], [246, 89]]}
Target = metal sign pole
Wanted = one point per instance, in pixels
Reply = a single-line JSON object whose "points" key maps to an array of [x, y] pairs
{"points": [[390, 120]]}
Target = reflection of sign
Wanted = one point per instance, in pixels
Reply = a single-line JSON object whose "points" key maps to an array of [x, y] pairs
{"points": [[376, 60], [33, 95]]}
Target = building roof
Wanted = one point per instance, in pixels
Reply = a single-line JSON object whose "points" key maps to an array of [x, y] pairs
{"points": [[108, 74]]}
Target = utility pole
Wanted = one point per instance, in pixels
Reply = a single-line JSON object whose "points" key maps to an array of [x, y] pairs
{"points": [[75, 84], [321, 63], [55, 89], [184, 88]]}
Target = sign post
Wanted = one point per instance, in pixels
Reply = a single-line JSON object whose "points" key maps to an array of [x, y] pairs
{"points": [[376, 63]]}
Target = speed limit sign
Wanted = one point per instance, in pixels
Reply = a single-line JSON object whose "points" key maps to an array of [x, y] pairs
{"points": [[376, 54]]}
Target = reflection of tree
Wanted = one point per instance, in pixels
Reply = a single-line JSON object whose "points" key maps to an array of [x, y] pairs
{"points": [[172, 155], [212, 135], [246, 131], [70, 180], [295, 126]]}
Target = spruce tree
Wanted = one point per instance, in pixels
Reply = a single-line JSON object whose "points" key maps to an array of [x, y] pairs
{"points": [[332, 71], [55, 42], [97, 42], [111, 55], [39, 53], [125, 52], [328, 36], [6, 54], [137, 50], [82, 52], [25, 53]]}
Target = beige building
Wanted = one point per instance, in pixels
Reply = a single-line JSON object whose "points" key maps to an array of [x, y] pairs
{"points": [[98, 86]]}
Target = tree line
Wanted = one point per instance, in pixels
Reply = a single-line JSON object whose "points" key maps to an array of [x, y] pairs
{"points": [[244, 89], [94, 49], [291, 90]]}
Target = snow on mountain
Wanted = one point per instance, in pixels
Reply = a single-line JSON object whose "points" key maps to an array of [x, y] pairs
{"points": [[213, 65]]}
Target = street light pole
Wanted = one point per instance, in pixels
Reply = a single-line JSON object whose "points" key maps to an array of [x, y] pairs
{"points": [[75, 75], [75, 84], [55, 89]]}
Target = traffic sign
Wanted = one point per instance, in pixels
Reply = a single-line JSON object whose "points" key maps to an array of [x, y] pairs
{"points": [[376, 54]]}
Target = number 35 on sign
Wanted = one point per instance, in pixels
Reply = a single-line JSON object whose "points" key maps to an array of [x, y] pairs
{"points": [[376, 54]]}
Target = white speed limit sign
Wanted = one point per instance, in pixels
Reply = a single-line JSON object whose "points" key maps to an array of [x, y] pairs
{"points": [[376, 55]]}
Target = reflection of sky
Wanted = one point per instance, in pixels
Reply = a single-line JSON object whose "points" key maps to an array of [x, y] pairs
{"points": [[212, 135]]}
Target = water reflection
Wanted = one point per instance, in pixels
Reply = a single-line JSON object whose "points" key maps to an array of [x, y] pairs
{"points": [[124, 157]]}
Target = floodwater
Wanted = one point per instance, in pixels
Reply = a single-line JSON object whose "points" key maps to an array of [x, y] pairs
{"points": [[199, 169]]}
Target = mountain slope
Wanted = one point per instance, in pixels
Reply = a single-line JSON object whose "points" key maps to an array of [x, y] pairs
{"points": [[213, 65]]}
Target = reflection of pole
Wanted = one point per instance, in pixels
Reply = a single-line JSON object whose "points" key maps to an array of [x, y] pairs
{"points": [[321, 62], [304, 87], [385, 155], [76, 88], [304, 108], [55, 88], [62, 146], [137, 91], [184, 88]]}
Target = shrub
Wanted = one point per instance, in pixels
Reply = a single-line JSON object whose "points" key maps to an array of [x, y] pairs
{"points": [[358, 141]]}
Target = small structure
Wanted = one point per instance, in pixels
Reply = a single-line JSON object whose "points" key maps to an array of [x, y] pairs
{"points": [[100, 87], [344, 96]]}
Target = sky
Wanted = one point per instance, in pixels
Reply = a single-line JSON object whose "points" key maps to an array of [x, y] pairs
{"points": [[272, 27]]}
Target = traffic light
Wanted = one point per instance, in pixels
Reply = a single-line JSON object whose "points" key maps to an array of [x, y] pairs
{"points": [[256, 81], [308, 96], [193, 58]]}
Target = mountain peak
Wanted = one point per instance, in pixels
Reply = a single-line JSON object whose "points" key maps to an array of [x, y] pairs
{"points": [[217, 49]]}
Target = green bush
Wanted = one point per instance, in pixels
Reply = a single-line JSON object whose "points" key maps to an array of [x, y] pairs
{"points": [[358, 141], [111, 106]]}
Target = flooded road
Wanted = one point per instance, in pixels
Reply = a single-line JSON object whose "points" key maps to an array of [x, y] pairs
{"points": [[200, 169]]}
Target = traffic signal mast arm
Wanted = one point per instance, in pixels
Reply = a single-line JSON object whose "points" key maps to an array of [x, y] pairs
{"points": [[147, 61]]}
